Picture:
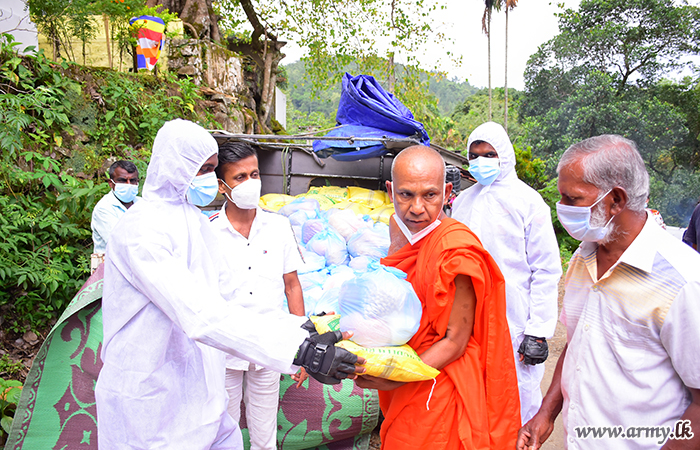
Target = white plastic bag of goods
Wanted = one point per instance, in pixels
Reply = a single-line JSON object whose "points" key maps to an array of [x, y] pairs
{"points": [[380, 307], [313, 262], [338, 275], [328, 302], [303, 204], [346, 222], [372, 242], [299, 217], [311, 298], [361, 263], [311, 227], [331, 246], [313, 279]]}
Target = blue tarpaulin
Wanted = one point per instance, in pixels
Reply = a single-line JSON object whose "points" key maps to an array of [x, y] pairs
{"points": [[367, 110]]}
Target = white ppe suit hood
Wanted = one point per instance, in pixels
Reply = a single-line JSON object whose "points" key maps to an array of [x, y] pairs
{"points": [[514, 224], [495, 135], [179, 150], [169, 315]]}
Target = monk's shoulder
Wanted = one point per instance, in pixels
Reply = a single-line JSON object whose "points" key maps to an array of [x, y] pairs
{"points": [[458, 234]]}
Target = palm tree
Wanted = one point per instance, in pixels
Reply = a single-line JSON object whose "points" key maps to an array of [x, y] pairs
{"points": [[486, 27], [510, 4]]}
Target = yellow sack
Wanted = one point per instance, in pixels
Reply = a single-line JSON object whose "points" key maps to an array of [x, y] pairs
{"points": [[335, 193], [400, 363], [367, 197], [273, 202], [357, 208], [382, 214], [323, 201]]}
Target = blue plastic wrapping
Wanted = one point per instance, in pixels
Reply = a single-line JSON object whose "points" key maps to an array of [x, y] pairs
{"points": [[367, 110]]}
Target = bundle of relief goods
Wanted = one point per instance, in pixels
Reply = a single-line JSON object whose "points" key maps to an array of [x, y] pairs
{"points": [[329, 244], [400, 363], [311, 227], [346, 222], [330, 236], [373, 242], [380, 307]]}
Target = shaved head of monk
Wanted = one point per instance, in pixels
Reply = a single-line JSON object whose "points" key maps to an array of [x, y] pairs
{"points": [[418, 186]]}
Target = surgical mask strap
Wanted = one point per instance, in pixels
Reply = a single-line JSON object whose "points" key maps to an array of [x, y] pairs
{"points": [[229, 191]]}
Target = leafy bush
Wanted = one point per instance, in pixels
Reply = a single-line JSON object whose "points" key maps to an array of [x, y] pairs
{"points": [[10, 392]]}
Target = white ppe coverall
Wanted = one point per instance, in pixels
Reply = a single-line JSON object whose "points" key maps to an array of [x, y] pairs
{"points": [[166, 321], [515, 226]]}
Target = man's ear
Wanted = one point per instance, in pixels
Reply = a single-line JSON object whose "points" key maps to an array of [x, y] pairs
{"points": [[111, 183], [448, 191], [390, 190], [620, 199], [222, 188]]}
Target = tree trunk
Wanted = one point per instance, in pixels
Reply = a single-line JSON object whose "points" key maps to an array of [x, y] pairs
{"points": [[505, 114], [392, 74], [198, 13], [488, 37]]}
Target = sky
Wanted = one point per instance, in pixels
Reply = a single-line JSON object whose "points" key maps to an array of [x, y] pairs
{"points": [[531, 24]]}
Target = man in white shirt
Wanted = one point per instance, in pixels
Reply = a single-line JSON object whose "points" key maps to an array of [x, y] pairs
{"points": [[515, 226], [629, 376], [124, 185], [261, 249], [167, 320]]}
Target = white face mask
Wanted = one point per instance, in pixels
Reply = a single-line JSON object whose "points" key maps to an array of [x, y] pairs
{"points": [[247, 194], [577, 221], [415, 237]]}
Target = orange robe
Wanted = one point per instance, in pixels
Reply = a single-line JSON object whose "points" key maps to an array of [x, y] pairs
{"points": [[474, 403]]}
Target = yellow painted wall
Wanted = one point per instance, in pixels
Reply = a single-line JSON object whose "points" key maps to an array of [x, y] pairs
{"points": [[96, 49]]}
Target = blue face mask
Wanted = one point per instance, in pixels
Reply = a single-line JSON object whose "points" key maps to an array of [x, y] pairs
{"points": [[126, 193], [485, 170], [203, 189]]}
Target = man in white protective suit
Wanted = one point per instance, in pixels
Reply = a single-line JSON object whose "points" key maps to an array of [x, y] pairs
{"points": [[166, 320], [515, 226]]}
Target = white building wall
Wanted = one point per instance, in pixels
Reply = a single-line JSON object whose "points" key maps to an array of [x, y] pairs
{"points": [[280, 107]]}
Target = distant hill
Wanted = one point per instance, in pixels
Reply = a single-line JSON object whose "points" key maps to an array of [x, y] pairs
{"points": [[450, 93]]}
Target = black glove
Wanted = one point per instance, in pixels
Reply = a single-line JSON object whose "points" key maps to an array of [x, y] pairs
{"points": [[534, 350], [323, 360]]}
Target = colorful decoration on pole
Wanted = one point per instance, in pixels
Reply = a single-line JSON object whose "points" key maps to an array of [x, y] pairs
{"points": [[150, 33]]}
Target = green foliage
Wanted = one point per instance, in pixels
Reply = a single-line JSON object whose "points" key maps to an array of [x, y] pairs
{"points": [[604, 74], [10, 392], [473, 111], [530, 170]]}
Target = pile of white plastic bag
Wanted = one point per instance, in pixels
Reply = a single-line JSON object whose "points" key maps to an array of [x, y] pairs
{"points": [[342, 233]]}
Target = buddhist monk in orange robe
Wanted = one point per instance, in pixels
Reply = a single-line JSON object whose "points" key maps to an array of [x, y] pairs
{"points": [[474, 402]]}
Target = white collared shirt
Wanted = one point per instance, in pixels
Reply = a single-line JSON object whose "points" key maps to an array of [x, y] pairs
{"points": [[106, 214], [632, 338], [259, 262]]}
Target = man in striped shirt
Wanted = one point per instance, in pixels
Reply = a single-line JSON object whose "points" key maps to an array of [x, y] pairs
{"points": [[631, 309]]}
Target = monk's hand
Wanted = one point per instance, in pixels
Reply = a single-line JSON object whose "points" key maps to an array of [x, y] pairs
{"points": [[324, 361], [381, 384], [533, 350], [534, 433]]}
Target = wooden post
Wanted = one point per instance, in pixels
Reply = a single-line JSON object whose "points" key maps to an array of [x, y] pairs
{"points": [[109, 46]]}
